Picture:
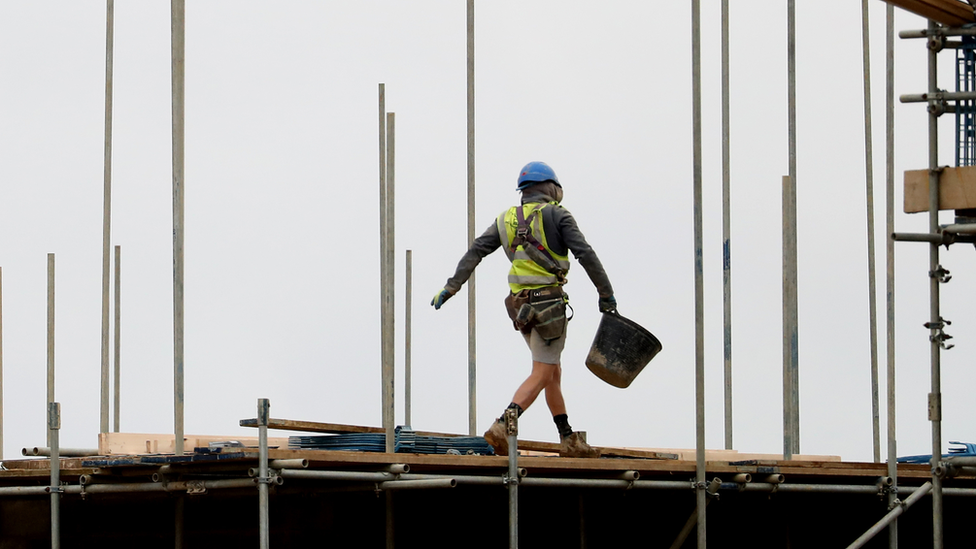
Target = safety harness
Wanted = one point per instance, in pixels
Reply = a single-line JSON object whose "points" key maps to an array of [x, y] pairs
{"points": [[535, 250]]}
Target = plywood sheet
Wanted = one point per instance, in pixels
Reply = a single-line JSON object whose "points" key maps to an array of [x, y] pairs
{"points": [[957, 189]]}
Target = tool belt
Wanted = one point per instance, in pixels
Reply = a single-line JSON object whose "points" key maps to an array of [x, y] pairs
{"points": [[541, 309]]}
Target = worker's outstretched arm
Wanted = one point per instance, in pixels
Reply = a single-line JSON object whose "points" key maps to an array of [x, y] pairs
{"points": [[483, 245]]}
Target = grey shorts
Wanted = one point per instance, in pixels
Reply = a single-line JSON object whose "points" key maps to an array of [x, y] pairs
{"points": [[541, 352]]}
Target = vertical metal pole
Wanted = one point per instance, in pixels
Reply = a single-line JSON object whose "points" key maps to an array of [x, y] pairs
{"points": [[106, 212], [935, 397], [726, 226], [789, 289], [890, 259], [264, 407], [384, 283], [53, 425], [1, 363], [511, 427], [472, 299], [407, 329], [869, 188], [790, 324], [389, 419], [118, 337], [50, 335], [179, 509], [693, 519], [699, 292], [177, 29]]}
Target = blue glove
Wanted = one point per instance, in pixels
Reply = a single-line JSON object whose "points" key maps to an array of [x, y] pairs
{"points": [[440, 298], [608, 304]]}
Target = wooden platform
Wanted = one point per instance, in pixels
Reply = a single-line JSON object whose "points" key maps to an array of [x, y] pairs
{"points": [[563, 501], [344, 499]]}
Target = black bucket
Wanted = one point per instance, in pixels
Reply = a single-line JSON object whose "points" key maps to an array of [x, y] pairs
{"points": [[620, 350]]}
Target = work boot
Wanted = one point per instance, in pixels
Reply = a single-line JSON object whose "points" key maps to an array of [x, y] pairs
{"points": [[574, 446], [497, 438]]}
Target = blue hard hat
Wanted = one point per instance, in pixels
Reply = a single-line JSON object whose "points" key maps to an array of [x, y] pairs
{"points": [[536, 172]]}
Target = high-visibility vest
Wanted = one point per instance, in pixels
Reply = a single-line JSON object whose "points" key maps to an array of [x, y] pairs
{"points": [[526, 273]]}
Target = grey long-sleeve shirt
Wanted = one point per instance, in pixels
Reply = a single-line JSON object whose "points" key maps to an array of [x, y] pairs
{"points": [[562, 234]]}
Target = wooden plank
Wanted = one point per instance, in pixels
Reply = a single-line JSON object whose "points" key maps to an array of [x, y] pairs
{"points": [[41, 463], [144, 443], [312, 426], [795, 471], [529, 445], [957, 189], [41, 473], [953, 13]]}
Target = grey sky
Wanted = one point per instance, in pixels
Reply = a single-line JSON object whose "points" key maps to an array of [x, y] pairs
{"points": [[282, 225]]}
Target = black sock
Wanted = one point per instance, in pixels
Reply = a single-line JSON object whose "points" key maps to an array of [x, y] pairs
{"points": [[562, 424], [518, 410]]}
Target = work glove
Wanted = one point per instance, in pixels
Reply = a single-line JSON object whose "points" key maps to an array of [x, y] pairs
{"points": [[608, 304], [440, 298]]}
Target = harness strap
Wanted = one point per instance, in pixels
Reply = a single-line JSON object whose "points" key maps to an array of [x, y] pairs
{"points": [[524, 233]]}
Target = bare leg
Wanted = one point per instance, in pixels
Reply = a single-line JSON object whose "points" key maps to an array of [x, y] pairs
{"points": [[554, 393], [542, 377]]}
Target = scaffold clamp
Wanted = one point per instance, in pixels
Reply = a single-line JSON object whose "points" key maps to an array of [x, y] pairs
{"points": [[941, 274]]}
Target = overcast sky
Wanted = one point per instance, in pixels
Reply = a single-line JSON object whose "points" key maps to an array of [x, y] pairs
{"points": [[282, 247]]}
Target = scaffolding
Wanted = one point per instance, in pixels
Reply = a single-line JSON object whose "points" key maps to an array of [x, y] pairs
{"points": [[938, 38], [966, 108], [273, 472]]}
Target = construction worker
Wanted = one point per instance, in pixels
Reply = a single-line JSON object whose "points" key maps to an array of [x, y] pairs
{"points": [[537, 237]]}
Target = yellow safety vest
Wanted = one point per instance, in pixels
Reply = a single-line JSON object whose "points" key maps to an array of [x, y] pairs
{"points": [[527, 274]]}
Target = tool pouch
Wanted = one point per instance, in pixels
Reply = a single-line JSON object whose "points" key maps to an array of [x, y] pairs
{"points": [[514, 304], [547, 317], [550, 319]]}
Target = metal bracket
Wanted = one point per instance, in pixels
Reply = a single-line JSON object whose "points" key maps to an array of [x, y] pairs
{"points": [[941, 274], [937, 108], [712, 487], [896, 503], [940, 336], [509, 481], [936, 42], [942, 323], [196, 487], [885, 490], [272, 478], [511, 422]]}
